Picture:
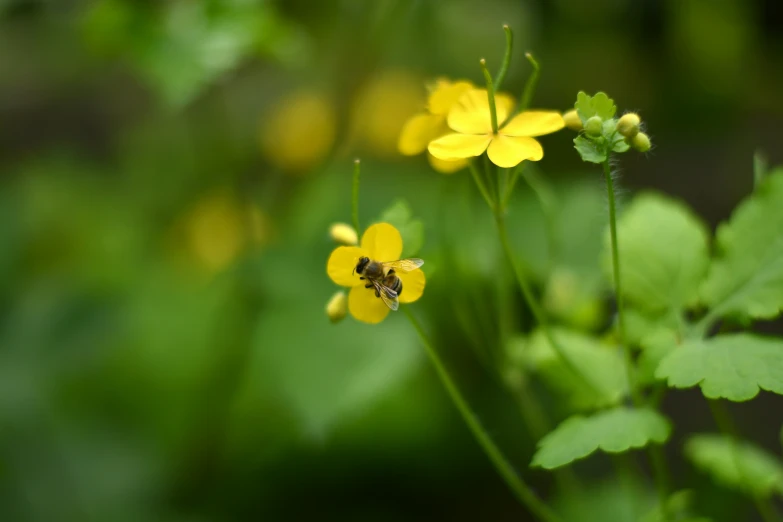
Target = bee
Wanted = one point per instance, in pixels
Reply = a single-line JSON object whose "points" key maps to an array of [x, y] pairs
{"points": [[383, 277]]}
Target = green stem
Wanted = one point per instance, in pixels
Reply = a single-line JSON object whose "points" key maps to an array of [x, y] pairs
{"points": [[490, 96], [521, 490], [637, 399], [535, 307], [355, 195], [655, 454], [480, 184], [726, 425], [501, 75], [530, 84]]}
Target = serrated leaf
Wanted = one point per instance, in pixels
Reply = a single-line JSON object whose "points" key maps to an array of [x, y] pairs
{"points": [[656, 347], [736, 464], [613, 431], [590, 150], [746, 277], [663, 254], [599, 105], [601, 366], [400, 215], [730, 366]]}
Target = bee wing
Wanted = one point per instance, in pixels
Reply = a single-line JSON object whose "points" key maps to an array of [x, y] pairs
{"points": [[404, 265], [388, 296]]}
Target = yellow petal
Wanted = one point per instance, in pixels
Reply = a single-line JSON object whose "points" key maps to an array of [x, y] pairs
{"points": [[419, 131], [341, 263], [471, 114], [365, 307], [508, 151], [446, 166], [459, 146], [383, 242], [534, 123], [412, 285], [446, 94]]}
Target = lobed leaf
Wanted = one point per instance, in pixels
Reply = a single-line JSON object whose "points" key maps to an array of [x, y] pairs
{"points": [[745, 279], [599, 105], [730, 366], [663, 254], [613, 431], [590, 150], [736, 464]]}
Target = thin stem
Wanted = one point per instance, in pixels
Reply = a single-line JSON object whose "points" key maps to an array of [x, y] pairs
{"points": [[547, 200], [492, 181], [726, 425], [530, 84], [501, 75], [655, 454], [493, 113], [637, 399], [480, 184], [355, 195], [521, 490], [535, 307]]}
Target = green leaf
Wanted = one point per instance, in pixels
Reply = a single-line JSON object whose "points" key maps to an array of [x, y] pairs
{"points": [[599, 105], [400, 215], [663, 254], [656, 347], [736, 464], [730, 366], [746, 277], [601, 365], [590, 150], [613, 431], [620, 145]]}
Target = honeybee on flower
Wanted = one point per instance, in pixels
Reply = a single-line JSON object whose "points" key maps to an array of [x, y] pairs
{"points": [[379, 280]]}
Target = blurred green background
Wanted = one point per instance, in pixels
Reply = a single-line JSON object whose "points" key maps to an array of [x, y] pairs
{"points": [[170, 170]]}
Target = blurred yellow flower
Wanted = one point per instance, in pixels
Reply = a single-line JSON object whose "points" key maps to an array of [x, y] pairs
{"points": [[513, 143], [218, 228], [337, 307], [381, 109], [299, 132], [424, 127], [381, 242]]}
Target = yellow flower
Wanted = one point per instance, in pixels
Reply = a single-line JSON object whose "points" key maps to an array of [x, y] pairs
{"points": [[381, 109], [299, 132], [513, 143], [424, 127], [381, 242]]}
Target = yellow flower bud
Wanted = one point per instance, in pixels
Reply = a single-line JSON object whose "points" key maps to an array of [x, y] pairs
{"points": [[572, 120], [343, 234], [628, 125], [337, 307], [594, 126], [641, 142]]}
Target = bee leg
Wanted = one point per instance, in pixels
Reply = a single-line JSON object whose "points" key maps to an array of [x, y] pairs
{"points": [[361, 279], [368, 285], [391, 271], [377, 293]]}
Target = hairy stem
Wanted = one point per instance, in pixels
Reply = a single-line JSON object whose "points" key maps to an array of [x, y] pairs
{"points": [[521, 490]]}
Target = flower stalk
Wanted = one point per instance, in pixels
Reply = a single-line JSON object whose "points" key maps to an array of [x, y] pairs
{"points": [[355, 194], [490, 95], [521, 490]]}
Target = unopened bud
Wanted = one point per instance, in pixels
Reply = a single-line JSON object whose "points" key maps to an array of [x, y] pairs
{"points": [[594, 126], [628, 125], [641, 142], [572, 120], [337, 307], [343, 234]]}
